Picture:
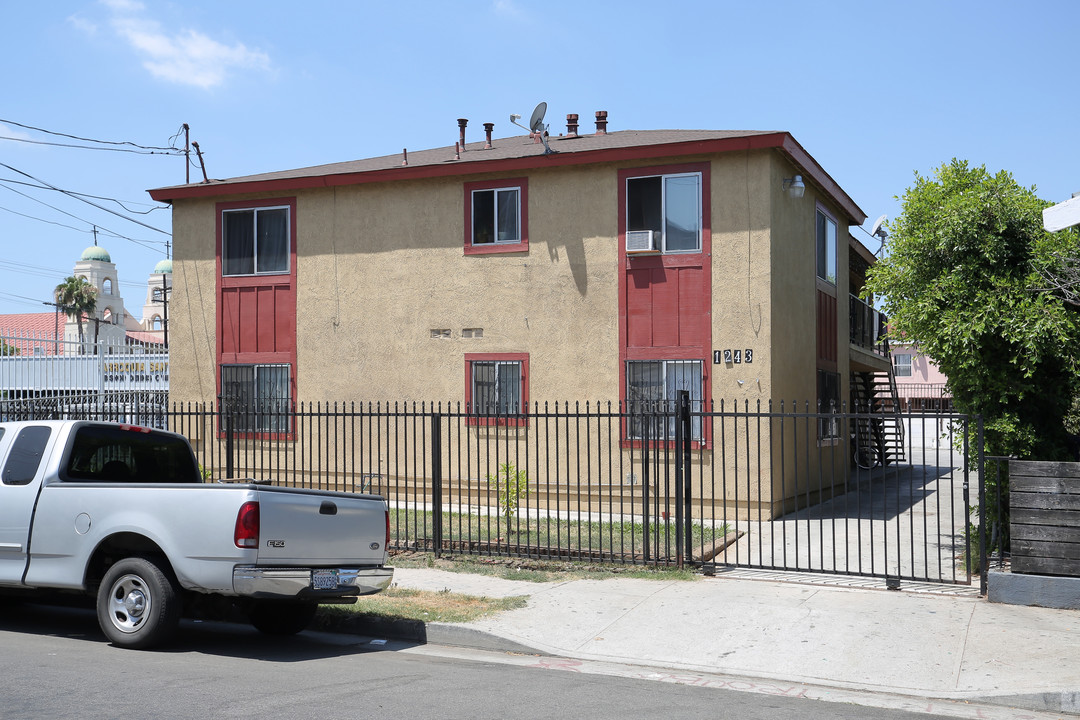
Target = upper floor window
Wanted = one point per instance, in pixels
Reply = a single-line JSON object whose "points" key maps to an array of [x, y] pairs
{"points": [[826, 247], [668, 206], [106, 286], [255, 241], [496, 216], [902, 365]]}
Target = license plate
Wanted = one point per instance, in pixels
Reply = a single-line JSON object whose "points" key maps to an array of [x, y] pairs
{"points": [[324, 579]]}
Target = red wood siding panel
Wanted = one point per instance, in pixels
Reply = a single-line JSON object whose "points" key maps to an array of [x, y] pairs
{"points": [[826, 330], [639, 307], [664, 306], [691, 292], [257, 319]]}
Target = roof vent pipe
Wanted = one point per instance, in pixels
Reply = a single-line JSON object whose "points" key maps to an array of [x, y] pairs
{"points": [[601, 122], [488, 127], [461, 123], [572, 124]]}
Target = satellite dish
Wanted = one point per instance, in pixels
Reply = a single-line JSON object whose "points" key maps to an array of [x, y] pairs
{"points": [[536, 122], [877, 229]]}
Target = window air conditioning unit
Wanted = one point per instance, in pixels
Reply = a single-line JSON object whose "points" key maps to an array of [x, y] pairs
{"points": [[639, 241]]}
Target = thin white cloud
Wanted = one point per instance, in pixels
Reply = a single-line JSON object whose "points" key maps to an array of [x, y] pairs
{"points": [[86, 26], [14, 133], [508, 8], [187, 57], [123, 5]]}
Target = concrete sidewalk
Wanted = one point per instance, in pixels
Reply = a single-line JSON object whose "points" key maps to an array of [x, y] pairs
{"points": [[927, 644]]}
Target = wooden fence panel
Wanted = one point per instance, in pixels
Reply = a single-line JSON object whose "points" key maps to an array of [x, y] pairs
{"points": [[1044, 520]]}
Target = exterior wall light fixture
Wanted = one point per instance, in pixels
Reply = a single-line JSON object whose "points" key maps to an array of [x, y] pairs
{"points": [[794, 186]]}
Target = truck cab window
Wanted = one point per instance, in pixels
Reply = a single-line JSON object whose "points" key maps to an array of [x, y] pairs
{"points": [[26, 454]]}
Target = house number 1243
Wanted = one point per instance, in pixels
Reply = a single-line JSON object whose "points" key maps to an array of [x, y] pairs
{"points": [[733, 357]]}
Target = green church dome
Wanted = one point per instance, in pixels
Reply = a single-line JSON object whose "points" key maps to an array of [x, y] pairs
{"points": [[163, 267], [94, 252]]}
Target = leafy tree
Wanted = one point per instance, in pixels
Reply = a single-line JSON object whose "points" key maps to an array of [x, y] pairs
{"points": [[963, 279], [6, 349], [75, 297]]}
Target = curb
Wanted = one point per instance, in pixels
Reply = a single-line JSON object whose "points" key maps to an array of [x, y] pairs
{"points": [[417, 631], [421, 633]]}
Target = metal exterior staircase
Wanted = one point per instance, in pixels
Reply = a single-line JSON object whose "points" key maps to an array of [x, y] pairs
{"points": [[878, 421]]}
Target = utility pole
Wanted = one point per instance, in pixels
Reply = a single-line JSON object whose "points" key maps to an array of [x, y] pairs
{"points": [[165, 310], [56, 326]]}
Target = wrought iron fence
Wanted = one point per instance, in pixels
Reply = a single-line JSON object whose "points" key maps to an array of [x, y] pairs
{"points": [[730, 484]]}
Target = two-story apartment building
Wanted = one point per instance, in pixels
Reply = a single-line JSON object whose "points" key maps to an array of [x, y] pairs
{"points": [[619, 266]]}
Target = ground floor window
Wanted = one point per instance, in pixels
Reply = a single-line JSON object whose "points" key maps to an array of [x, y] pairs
{"points": [[256, 397], [497, 386], [828, 386], [652, 388]]}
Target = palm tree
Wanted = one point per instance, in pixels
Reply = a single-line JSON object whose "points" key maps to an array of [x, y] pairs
{"points": [[76, 296]]}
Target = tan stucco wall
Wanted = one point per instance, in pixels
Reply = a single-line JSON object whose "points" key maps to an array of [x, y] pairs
{"points": [[385, 267]]}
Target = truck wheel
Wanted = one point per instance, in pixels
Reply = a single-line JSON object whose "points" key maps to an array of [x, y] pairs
{"points": [[138, 605], [281, 617]]}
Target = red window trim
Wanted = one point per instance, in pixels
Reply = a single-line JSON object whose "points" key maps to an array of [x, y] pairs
{"points": [[704, 353], [519, 421], [288, 357], [522, 183]]}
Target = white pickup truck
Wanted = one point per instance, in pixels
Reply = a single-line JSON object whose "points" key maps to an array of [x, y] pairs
{"points": [[122, 513]]}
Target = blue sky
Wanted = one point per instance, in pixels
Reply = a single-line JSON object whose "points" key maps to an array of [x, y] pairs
{"points": [[874, 91]]}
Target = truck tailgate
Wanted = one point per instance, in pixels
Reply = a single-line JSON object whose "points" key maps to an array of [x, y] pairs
{"points": [[313, 528]]}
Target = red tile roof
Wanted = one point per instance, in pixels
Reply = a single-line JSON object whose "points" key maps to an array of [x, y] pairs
{"points": [[144, 336], [28, 331]]}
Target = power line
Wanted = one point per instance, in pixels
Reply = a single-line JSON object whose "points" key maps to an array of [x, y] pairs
{"points": [[90, 147], [43, 272], [82, 199], [50, 222], [83, 139], [96, 197], [143, 243]]}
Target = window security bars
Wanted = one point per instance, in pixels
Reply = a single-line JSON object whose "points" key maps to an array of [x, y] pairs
{"points": [[568, 483]]}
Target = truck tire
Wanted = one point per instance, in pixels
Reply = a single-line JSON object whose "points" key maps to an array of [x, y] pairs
{"points": [[281, 617], [138, 604]]}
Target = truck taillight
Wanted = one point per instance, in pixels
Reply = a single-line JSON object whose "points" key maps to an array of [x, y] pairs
{"points": [[386, 545], [246, 534]]}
